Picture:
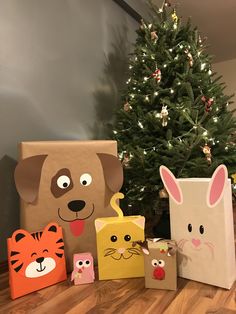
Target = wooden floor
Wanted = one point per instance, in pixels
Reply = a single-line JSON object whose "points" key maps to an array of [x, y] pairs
{"points": [[121, 296]]}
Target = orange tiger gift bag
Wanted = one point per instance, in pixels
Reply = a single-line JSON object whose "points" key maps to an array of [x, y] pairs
{"points": [[36, 260]]}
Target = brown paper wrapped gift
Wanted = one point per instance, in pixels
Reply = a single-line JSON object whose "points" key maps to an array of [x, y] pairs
{"points": [[160, 264], [70, 182]]}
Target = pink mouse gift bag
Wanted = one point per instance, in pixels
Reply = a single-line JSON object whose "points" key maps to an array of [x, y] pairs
{"points": [[201, 218]]}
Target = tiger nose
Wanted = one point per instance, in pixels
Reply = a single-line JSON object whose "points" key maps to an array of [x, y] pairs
{"points": [[39, 259], [76, 206]]}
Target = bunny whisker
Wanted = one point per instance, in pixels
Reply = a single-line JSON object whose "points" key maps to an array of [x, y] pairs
{"points": [[211, 247], [181, 243]]}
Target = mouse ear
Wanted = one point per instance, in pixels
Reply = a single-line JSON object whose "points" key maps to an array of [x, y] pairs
{"points": [[171, 184], [216, 186]]}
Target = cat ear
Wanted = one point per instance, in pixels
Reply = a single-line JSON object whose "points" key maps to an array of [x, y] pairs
{"points": [[171, 184], [216, 186], [99, 224], [140, 221]]}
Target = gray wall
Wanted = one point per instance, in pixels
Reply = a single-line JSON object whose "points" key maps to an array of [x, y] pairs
{"points": [[62, 63]]}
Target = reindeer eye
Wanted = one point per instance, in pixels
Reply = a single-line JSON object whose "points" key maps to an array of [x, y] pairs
{"points": [[201, 229], [154, 262], [113, 238], [161, 263], [190, 228]]}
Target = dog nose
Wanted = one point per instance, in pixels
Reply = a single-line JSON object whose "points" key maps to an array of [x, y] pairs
{"points": [[39, 259], [76, 205]]}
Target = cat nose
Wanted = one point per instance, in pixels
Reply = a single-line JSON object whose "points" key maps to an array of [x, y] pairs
{"points": [[39, 259], [121, 250], [76, 206], [196, 242]]}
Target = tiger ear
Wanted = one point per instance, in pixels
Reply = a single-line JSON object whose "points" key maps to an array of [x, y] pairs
{"points": [[52, 227], [19, 234]]}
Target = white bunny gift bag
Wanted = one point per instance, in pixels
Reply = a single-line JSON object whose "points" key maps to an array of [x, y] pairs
{"points": [[201, 218]]}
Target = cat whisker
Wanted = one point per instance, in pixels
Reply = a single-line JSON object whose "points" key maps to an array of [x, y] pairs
{"points": [[109, 251], [134, 251]]}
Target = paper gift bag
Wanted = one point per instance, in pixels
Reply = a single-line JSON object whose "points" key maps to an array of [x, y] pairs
{"points": [[201, 219], [70, 182], [160, 264], [118, 256], [36, 260], [83, 271]]}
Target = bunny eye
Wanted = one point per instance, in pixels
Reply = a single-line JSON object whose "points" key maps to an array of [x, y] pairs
{"points": [[190, 228], [201, 229]]}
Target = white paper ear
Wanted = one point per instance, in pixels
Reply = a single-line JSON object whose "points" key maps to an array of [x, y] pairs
{"points": [[140, 221], [216, 186], [99, 224], [171, 184]]}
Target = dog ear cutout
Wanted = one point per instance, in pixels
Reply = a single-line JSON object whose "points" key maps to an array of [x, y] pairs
{"points": [[27, 177], [216, 186], [171, 184], [113, 171]]}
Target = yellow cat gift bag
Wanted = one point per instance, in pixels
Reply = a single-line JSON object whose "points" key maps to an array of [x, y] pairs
{"points": [[118, 254]]}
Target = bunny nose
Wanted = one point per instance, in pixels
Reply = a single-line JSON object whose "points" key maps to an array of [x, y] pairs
{"points": [[39, 259], [76, 205], [196, 242], [121, 250]]}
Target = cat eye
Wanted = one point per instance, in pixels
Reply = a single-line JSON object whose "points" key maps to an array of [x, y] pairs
{"points": [[190, 228], [201, 229], [127, 237], [113, 238]]}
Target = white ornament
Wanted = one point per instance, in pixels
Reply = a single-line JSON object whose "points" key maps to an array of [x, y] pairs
{"points": [[164, 115]]}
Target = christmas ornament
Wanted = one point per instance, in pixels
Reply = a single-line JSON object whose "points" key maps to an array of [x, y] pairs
{"points": [[154, 36], [208, 103], [163, 193], [174, 17], [127, 107], [126, 160], [207, 151], [234, 177], [167, 3], [164, 116], [157, 75], [190, 57], [143, 25]]}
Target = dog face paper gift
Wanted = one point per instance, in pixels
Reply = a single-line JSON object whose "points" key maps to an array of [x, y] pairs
{"points": [[70, 182], [83, 272], [202, 224], [160, 264], [117, 256], [36, 260]]}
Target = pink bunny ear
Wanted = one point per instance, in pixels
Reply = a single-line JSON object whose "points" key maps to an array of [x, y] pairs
{"points": [[171, 184], [217, 185]]}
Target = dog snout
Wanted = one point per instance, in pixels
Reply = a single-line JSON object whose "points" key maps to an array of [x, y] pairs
{"points": [[76, 205]]}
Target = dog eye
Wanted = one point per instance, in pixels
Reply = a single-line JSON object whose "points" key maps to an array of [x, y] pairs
{"points": [[63, 182], [85, 179]]}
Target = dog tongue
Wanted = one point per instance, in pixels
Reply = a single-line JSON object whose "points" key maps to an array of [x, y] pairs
{"points": [[77, 227]]}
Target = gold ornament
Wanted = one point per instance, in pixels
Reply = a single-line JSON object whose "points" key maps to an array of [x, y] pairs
{"points": [[164, 116], [163, 193], [207, 151], [234, 177], [174, 17]]}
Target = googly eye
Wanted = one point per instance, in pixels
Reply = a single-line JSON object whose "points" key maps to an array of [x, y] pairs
{"points": [[63, 182], [154, 262], [161, 263], [85, 179], [79, 264], [87, 263]]}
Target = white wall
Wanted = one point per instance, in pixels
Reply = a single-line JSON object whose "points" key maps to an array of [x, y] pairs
{"points": [[228, 70]]}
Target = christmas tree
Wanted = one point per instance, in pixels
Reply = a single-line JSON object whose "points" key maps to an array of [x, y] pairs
{"points": [[174, 111]]}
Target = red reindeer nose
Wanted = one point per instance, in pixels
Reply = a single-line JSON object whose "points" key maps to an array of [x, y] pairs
{"points": [[159, 273]]}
